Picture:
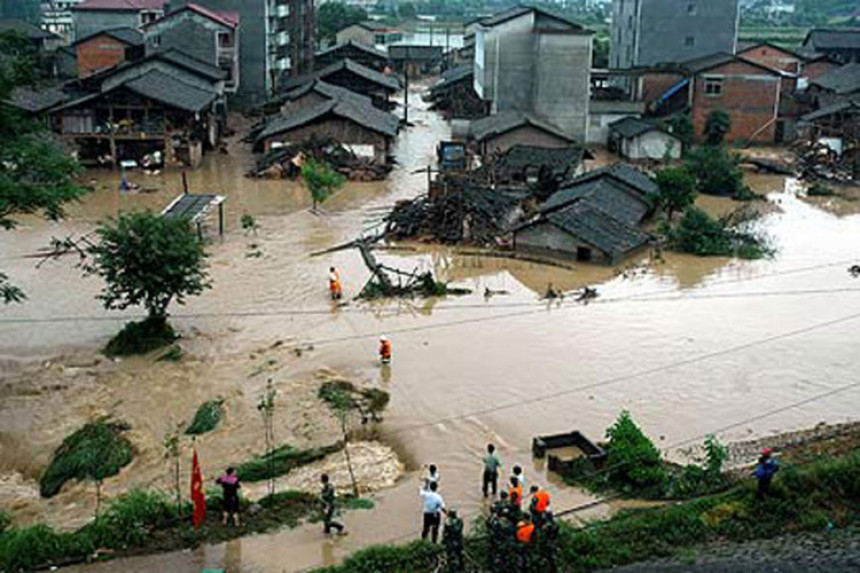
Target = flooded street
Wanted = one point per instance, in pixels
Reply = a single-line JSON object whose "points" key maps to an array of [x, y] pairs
{"points": [[690, 346]]}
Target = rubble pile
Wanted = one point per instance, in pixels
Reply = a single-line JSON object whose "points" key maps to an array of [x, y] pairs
{"points": [[285, 162], [819, 162]]}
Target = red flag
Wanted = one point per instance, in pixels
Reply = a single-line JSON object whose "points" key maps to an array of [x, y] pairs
{"points": [[197, 496]]}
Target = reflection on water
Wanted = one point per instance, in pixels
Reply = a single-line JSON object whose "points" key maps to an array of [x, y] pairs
{"points": [[467, 370]]}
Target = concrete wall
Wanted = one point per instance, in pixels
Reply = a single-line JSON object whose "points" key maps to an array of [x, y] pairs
{"points": [[546, 239], [562, 80], [651, 145], [99, 53], [91, 21], [647, 32], [750, 96], [253, 42], [345, 131], [525, 135]]}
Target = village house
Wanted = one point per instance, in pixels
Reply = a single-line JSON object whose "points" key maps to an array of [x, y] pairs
{"points": [[594, 218], [840, 44], [498, 133], [106, 49], [352, 76], [774, 57], [415, 60], [167, 102], [454, 94], [528, 164], [92, 16], [209, 36], [643, 139], [838, 85], [359, 127], [835, 124], [363, 54], [311, 94], [530, 61], [370, 33]]}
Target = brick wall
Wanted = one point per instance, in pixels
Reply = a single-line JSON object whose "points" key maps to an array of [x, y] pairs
{"points": [[749, 94], [99, 53], [773, 58], [655, 84]]}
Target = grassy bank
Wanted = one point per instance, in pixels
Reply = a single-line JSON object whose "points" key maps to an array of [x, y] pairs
{"points": [[819, 496], [147, 522]]}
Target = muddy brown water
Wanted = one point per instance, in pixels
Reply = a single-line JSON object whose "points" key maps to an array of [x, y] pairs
{"points": [[466, 370]]}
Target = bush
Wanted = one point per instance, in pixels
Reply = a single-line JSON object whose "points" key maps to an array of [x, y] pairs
{"points": [[416, 556], [369, 402], [207, 418], [96, 451], [131, 518], [820, 190], [282, 461], [633, 463], [717, 171], [700, 234], [141, 337], [27, 548]]}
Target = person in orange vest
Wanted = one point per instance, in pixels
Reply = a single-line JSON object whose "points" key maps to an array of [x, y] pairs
{"points": [[539, 505], [384, 350], [515, 493], [334, 285], [525, 532]]}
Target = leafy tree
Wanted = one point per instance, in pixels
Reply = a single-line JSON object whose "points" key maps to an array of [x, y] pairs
{"points": [[147, 260], [407, 11], [717, 171], [36, 176], [677, 190], [321, 180], [717, 126], [335, 16], [682, 127], [700, 234], [633, 462]]}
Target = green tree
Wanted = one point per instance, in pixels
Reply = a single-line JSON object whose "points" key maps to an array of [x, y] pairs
{"points": [[717, 171], [407, 11], [677, 190], [633, 463], [321, 180], [148, 260], [335, 16], [36, 176], [682, 127], [717, 126]]}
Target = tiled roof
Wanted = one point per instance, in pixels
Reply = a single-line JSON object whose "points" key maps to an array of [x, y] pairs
{"points": [[192, 64], [170, 91], [364, 115], [632, 126], [374, 26], [838, 107], [228, 19], [373, 52], [415, 53], [390, 83], [326, 90], [121, 5], [833, 39], [128, 36], [521, 157], [843, 80], [494, 125], [37, 100], [628, 175], [518, 11], [606, 194]]}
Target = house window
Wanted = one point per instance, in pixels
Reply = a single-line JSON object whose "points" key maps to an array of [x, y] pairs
{"points": [[690, 41], [156, 41], [630, 22], [225, 40], [583, 254], [379, 39], [148, 17], [713, 87], [691, 9]]}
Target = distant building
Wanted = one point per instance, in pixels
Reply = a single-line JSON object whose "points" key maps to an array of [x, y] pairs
{"points": [[649, 32], [370, 33], [416, 60], [39, 38], [93, 16], [531, 61], [837, 86], [57, 17], [841, 44], [352, 76], [640, 139], [455, 95], [774, 57], [363, 54], [498, 133], [209, 36], [106, 49]]}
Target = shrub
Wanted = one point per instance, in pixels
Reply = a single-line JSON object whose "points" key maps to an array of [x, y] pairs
{"points": [[717, 171], [207, 418], [700, 234], [96, 451], [416, 556], [282, 461], [820, 190], [633, 462], [141, 337], [27, 548], [342, 394], [130, 519]]}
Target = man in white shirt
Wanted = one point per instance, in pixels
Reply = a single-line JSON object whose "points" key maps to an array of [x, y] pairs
{"points": [[434, 506]]}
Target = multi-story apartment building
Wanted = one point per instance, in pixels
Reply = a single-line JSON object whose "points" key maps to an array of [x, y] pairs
{"points": [[650, 32], [57, 17]]}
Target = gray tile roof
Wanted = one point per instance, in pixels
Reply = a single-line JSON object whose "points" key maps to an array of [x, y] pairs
{"points": [[364, 115], [518, 11], [632, 127], [842, 106], [389, 83], [351, 44], [37, 100], [170, 91], [128, 36], [606, 194], [452, 77], [833, 39], [192, 64], [843, 80], [558, 159], [494, 125], [415, 53], [374, 26], [628, 175], [326, 90]]}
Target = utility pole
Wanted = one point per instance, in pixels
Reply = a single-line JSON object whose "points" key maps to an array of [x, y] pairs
{"points": [[406, 93]]}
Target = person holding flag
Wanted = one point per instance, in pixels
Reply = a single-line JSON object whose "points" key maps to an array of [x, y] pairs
{"points": [[198, 498]]}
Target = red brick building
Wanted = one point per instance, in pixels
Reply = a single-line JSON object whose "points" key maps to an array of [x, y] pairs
{"points": [[106, 49], [773, 57]]}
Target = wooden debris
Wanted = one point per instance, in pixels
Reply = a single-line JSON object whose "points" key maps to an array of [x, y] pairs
{"points": [[285, 162]]}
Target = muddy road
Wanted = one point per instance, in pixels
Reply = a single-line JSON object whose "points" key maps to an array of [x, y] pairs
{"points": [[689, 346]]}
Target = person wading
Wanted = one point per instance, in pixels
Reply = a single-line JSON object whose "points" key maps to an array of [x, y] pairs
{"points": [[384, 350], [539, 504], [334, 285], [230, 485], [764, 472], [492, 466], [328, 496], [434, 507]]}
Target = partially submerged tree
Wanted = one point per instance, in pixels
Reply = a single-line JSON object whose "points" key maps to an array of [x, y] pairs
{"points": [[732, 235], [717, 171], [677, 190], [321, 180], [172, 452], [149, 261], [717, 126]]}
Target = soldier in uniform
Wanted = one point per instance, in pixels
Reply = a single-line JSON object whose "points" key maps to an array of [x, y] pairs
{"points": [[452, 538]]}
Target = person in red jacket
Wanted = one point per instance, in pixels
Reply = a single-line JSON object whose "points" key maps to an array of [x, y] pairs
{"points": [[384, 350]]}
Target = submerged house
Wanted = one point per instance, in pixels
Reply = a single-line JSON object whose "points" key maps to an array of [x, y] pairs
{"points": [[498, 133], [596, 217], [454, 94], [528, 164]]}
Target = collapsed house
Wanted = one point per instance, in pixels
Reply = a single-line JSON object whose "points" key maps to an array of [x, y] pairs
{"points": [[595, 218], [454, 95], [529, 164], [830, 145]]}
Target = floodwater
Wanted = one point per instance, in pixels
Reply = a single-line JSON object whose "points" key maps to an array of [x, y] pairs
{"points": [[690, 346]]}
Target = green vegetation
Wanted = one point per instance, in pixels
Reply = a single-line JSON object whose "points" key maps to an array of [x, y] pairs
{"points": [[207, 417], [677, 190], [369, 402], [335, 16], [141, 337], [282, 461], [423, 285], [96, 451], [172, 354], [415, 556], [700, 234], [717, 171], [717, 126], [820, 190], [321, 180]]}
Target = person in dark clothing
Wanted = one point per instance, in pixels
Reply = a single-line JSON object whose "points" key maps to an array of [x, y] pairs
{"points": [[230, 485], [492, 465], [452, 538], [547, 543], [764, 472], [328, 498]]}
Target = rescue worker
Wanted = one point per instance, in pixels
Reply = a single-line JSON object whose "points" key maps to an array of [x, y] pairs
{"points": [[764, 472], [492, 465], [452, 538], [328, 499], [334, 285], [525, 532], [384, 350], [434, 506], [547, 542], [539, 504], [515, 493], [502, 526]]}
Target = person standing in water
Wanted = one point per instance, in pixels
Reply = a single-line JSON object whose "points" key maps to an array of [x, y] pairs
{"points": [[230, 485], [492, 465], [384, 350], [334, 285], [328, 496]]}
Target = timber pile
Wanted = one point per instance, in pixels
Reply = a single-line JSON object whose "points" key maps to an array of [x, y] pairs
{"points": [[472, 214], [387, 282], [285, 162], [818, 162]]}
